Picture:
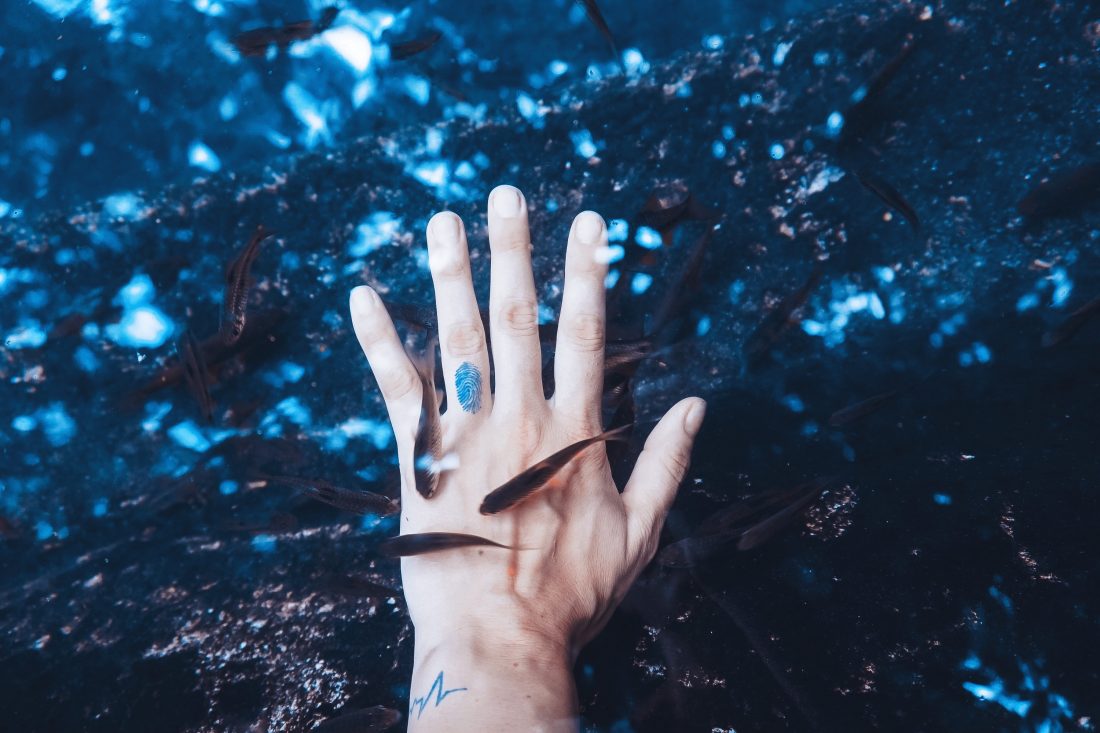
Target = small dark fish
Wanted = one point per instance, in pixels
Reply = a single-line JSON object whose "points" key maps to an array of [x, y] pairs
{"points": [[280, 523], [407, 545], [776, 322], [686, 284], [195, 374], [863, 408], [597, 19], [625, 355], [889, 196], [749, 523], [428, 446], [238, 281], [368, 720], [360, 587], [1063, 194], [256, 42], [350, 500], [863, 113], [68, 326], [528, 482], [1068, 328], [401, 51]]}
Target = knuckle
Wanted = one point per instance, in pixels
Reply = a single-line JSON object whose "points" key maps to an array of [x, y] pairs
{"points": [[586, 332], [447, 261], [398, 384], [675, 466], [465, 339], [519, 317]]}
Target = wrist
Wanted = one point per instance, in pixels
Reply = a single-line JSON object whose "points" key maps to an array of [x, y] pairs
{"points": [[528, 682]]}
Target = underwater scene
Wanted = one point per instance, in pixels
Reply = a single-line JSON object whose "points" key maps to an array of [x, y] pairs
{"points": [[866, 232]]}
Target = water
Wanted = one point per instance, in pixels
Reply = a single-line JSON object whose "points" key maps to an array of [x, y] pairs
{"points": [[945, 579]]}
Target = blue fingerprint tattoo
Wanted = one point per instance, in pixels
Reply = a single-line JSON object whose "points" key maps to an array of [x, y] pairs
{"points": [[468, 386]]}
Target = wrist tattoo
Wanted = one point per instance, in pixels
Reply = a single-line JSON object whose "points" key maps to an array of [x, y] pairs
{"points": [[419, 703], [468, 386]]}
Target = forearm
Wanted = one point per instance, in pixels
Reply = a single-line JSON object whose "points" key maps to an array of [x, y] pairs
{"points": [[477, 684]]}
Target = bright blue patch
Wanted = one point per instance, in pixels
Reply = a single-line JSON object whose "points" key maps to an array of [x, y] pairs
{"points": [[264, 543], [641, 283], [142, 326], [293, 409], [291, 372], [24, 423], [138, 291], [378, 229], [583, 143], [793, 403], [703, 326], [227, 487], [834, 124], [188, 435], [1027, 301], [718, 149], [942, 499], [648, 237], [776, 151], [29, 335], [200, 155], [617, 230], [99, 508]]}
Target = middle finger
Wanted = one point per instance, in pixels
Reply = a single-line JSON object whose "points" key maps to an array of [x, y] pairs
{"points": [[513, 305]]}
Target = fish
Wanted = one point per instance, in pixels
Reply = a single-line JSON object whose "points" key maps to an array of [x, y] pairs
{"points": [[428, 446], [889, 196], [256, 42], [528, 482], [1068, 328], [863, 113], [594, 15], [238, 280], [749, 522], [350, 500], [863, 408], [626, 355], [779, 319], [195, 373], [685, 285], [359, 586], [408, 545], [279, 523], [1063, 194], [401, 51], [367, 720]]}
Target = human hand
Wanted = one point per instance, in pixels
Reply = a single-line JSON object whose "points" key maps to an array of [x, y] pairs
{"points": [[489, 617]]}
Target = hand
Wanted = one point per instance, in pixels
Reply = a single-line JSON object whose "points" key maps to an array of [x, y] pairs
{"points": [[507, 625]]}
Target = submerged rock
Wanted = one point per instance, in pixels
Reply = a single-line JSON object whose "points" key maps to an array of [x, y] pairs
{"points": [[151, 579]]}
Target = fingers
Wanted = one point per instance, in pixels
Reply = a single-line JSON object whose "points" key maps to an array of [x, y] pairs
{"points": [[513, 306], [579, 353], [396, 376], [461, 333], [657, 474]]}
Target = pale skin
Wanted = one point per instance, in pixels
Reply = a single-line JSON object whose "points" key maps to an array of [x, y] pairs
{"points": [[497, 631]]}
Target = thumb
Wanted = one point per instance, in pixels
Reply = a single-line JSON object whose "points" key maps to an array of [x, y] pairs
{"points": [[657, 475]]}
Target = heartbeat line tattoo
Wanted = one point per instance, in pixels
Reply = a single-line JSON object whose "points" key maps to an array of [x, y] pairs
{"points": [[468, 386], [419, 703]]}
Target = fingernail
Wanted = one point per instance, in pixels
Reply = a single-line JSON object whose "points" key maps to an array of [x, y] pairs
{"points": [[589, 227], [445, 228], [694, 418], [506, 202], [363, 299]]}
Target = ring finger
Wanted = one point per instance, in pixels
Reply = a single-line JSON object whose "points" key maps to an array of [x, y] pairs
{"points": [[461, 332]]}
